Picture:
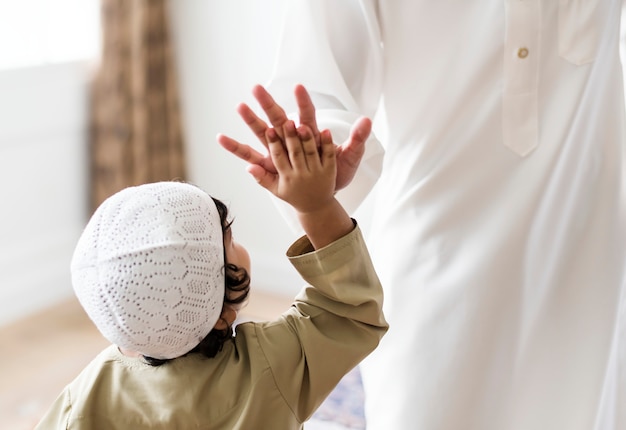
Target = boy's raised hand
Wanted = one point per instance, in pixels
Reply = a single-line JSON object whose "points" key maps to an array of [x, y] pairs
{"points": [[349, 154], [305, 177]]}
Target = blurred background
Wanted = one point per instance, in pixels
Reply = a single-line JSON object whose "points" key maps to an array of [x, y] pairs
{"points": [[96, 95]]}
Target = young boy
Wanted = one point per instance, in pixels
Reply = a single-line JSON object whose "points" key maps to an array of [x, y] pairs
{"points": [[159, 273]]}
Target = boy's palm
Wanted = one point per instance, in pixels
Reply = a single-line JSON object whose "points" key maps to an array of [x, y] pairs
{"points": [[305, 176], [348, 155]]}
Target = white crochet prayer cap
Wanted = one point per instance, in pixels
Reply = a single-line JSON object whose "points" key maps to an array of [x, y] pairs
{"points": [[149, 268]]}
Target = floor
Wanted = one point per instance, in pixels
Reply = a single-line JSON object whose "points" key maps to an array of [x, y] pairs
{"points": [[45, 351]]}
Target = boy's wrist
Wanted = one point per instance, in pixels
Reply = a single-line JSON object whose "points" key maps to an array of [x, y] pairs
{"points": [[326, 224]]}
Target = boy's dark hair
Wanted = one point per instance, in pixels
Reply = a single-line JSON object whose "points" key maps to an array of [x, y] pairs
{"points": [[237, 281]]}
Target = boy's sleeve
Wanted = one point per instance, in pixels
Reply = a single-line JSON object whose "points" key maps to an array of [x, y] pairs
{"points": [[57, 417], [334, 323]]}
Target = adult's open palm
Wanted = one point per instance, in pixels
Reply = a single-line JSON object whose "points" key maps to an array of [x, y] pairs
{"points": [[349, 153]]}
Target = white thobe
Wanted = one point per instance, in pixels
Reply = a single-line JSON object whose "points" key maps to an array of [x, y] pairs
{"points": [[499, 220]]}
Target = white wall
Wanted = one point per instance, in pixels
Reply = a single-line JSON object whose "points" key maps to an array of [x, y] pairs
{"points": [[223, 49], [42, 183]]}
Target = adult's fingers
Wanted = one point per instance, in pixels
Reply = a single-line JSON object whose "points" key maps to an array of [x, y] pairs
{"points": [[361, 130], [350, 153], [275, 114], [352, 150], [306, 110], [256, 124], [245, 152]]}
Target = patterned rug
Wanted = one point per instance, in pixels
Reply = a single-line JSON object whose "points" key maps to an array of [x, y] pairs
{"points": [[343, 409]]}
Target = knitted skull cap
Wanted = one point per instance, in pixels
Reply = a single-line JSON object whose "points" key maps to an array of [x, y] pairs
{"points": [[148, 268]]}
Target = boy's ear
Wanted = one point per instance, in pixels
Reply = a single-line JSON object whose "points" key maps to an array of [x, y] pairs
{"points": [[226, 319], [221, 323]]}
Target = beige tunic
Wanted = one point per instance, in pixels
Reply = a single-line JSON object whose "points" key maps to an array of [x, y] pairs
{"points": [[272, 376]]}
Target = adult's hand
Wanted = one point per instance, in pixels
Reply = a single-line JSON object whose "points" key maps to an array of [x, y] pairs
{"points": [[349, 153]]}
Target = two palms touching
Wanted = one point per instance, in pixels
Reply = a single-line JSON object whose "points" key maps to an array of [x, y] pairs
{"points": [[263, 168]]}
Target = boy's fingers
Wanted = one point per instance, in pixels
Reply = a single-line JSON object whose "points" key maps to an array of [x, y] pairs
{"points": [[329, 152], [294, 146], [309, 148], [277, 151], [266, 179]]}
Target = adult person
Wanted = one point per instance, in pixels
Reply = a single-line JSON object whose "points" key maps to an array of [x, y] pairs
{"points": [[499, 221]]}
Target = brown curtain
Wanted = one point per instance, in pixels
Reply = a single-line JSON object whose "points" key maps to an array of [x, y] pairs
{"points": [[136, 134]]}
